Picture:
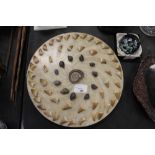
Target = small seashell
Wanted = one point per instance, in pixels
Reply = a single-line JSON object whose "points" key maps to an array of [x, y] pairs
{"points": [[59, 38], [66, 37], [117, 94], [98, 42], [67, 106], [50, 59], [93, 86], [82, 120], [112, 102], [55, 100], [64, 91], [41, 107], [37, 99], [94, 105], [102, 94], [64, 120], [60, 48], [86, 97], [45, 47], [48, 92], [57, 83], [43, 82], [41, 52], [108, 72], [99, 115], [51, 42], [32, 66], [90, 38], [35, 59], [45, 69], [83, 36], [81, 109], [92, 52], [34, 92], [70, 48], [62, 64], [81, 58], [81, 48], [75, 36], [106, 84], [103, 61]]}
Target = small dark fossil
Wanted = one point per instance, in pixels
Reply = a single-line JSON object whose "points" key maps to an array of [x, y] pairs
{"points": [[70, 58], [94, 73], [62, 64], [92, 64], [64, 91], [56, 72], [93, 86], [72, 96], [81, 58], [86, 97], [57, 83]]}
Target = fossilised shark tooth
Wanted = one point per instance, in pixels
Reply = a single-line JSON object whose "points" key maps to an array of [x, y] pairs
{"points": [[32, 66], [75, 36], [41, 52], [45, 69], [82, 120], [43, 82], [55, 116], [67, 106], [72, 122], [70, 48], [37, 99], [99, 115], [48, 114], [34, 92], [92, 52], [60, 48], [64, 120], [103, 61], [35, 59], [45, 47], [81, 109], [110, 52], [50, 59], [112, 102], [66, 37], [90, 38], [81, 48], [102, 94], [118, 67], [48, 92], [55, 100], [59, 38], [83, 36], [114, 59], [41, 107], [94, 115], [106, 84], [98, 42], [94, 105], [119, 75], [117, 94], [32, 84], [118, 84], [51, 42], [108, 72]]}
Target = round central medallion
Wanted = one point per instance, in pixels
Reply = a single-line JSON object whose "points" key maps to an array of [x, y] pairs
{"points": [[75, 76]]}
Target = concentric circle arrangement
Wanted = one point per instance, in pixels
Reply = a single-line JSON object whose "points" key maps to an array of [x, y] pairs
{"points": [[75, 79]]}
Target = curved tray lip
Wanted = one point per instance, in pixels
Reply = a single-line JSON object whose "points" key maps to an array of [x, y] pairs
{"points": [[82, 126]]}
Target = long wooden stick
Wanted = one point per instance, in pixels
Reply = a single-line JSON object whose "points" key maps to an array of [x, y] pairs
{"points": [[15, 63]]}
